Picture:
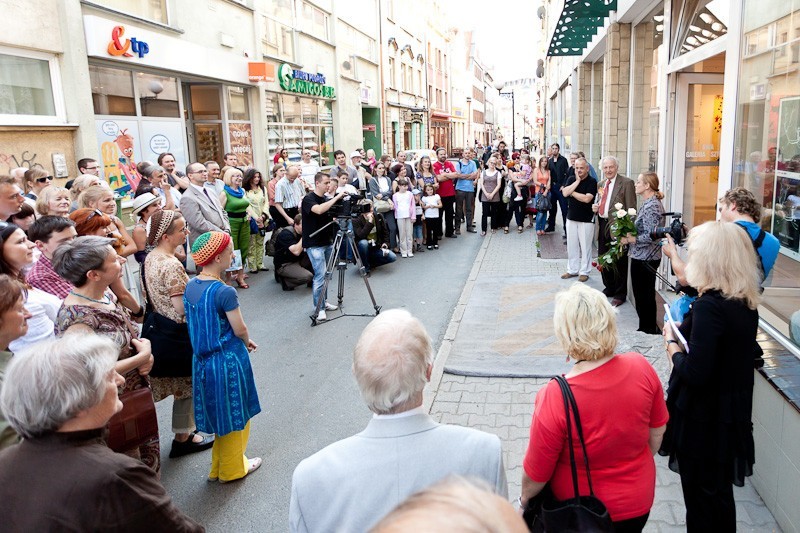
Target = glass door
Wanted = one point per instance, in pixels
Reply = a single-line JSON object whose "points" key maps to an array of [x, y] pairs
{"points": [[698, 127], [204, 121]]}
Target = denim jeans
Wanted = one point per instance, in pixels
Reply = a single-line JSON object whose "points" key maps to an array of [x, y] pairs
{"points": [[319, 256], [373, 256]]}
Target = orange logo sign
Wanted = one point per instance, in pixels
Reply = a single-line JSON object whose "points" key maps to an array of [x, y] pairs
{"points": [[116, 47]]}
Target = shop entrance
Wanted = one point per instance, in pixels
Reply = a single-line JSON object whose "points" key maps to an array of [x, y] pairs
{"points": [[217, 121], [698, 127]]}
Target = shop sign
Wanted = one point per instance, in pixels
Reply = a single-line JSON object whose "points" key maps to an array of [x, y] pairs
{"points": [[298, 81], [368, 127], [260, 71], [240, 137], [118, 47]]}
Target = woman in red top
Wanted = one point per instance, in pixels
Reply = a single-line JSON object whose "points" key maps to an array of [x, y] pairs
{"points": [[622, 410]]}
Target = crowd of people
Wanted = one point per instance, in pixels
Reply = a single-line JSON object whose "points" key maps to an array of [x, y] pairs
{"points": [[81, 356]]}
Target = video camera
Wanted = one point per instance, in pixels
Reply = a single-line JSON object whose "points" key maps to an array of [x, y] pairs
{"points": [[676, 229], [349, 207]]}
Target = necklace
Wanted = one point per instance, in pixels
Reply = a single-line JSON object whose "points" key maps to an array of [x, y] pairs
{"points": [[211, 276], [106, 302]]}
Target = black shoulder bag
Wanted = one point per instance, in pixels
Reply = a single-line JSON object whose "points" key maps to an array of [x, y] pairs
{"points": [[577, 514]]}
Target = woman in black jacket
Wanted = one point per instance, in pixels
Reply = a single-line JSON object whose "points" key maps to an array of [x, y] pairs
{"points": [[709, 437]]}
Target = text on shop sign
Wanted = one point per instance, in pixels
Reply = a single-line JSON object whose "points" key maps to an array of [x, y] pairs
{"points": [[117, 47], [298, 81]]}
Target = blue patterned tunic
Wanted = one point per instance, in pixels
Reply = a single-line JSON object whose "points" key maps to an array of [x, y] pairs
{"points": [[225, 395]]}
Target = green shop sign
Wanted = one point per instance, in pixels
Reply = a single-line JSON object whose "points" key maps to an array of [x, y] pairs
{"points": [[297, 81]]}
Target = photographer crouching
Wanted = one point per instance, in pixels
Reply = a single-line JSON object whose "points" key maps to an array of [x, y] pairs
{"points": [[372, 239], [316, 240]]}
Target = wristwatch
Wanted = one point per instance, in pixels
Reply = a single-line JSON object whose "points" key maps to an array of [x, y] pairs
{"points": [[671, 341]]}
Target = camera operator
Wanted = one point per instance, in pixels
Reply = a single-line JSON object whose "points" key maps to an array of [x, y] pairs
{"points": [[292, 266], [738, 206], [314, 208], [372, 239]]}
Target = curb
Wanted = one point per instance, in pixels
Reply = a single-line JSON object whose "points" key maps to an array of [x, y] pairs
{"points": [[452, 327]]}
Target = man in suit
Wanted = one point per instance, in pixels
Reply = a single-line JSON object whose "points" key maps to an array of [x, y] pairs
{"points": [[559, 167], [614, 189], [200, 207], [353, 483]]}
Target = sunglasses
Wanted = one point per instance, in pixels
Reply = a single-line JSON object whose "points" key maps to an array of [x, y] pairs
{"points": [[95, 212], [46, 178]]}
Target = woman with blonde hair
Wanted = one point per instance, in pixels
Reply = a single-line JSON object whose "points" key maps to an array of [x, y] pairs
{"points": [[80, 184], [54, 201], [35, 181], [622, 413], [645, 253], [709, 439], [102, 199], [234, 202]]}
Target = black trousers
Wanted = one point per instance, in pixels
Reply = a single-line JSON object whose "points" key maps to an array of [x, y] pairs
{"points": [[631, 525], [491, 210], [709, 505], [643, 283], [615, 279], [557, 199], [433, 228], [449, 214]]}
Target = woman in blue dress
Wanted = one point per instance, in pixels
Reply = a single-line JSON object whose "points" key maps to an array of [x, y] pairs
{"points": [[225, 397]]}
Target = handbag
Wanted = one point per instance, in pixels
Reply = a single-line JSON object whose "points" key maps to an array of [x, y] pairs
{"points": [[577, 514], [543, 202], [382, 206], [171, 345], [136, 423], [253, 226], [507, 191]]}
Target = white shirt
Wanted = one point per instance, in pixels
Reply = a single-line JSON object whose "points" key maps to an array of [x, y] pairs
{"points": [[43, 308], [609, 191], [308, 171]]}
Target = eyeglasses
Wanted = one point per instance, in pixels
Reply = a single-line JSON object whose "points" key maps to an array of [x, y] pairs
{"points": [[92, 168], [199, 172], [46, 178]]}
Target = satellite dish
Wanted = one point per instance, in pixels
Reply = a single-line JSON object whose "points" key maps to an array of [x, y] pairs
{"points": [[346, 65]]}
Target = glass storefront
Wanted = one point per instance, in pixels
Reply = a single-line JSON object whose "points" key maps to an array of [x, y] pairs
{"points": [[767, 142], [297, 123]]}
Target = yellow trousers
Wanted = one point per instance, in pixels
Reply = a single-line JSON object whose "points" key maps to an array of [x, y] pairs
{"points": [[228, 461]]}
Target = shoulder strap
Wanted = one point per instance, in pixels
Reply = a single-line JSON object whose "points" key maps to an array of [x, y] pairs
{"points": [[569, 401], [757, 242]]}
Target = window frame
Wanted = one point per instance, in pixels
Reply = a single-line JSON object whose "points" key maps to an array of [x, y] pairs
{"points": [[167, 23], [56, 86], [314, 8]]}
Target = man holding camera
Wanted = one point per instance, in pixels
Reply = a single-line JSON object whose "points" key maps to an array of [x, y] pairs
{"points": [[316, 240], [372, 240], [292, 266]]}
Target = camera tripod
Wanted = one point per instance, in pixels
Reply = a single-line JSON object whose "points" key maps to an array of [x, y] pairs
{"points": [[344, 235]]}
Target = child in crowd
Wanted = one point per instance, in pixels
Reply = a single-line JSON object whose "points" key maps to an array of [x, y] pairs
{"points": [[404, 214], [525, 170], [432, 203], [418, 239]]}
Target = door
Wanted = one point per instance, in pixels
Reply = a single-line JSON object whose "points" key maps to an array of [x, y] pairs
{"points": [[204, 110], [698, 128]]}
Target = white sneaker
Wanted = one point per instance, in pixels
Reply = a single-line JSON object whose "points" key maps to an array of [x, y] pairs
{"points": [[404, 255], [518, 198], [331, 307], [321, 315], [410, 254]]}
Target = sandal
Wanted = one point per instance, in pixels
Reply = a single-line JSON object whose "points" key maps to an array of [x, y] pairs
{"points": [[519, 229], [494, 231], [253, 465], [483, 234], [242, 284], [505, 230]]}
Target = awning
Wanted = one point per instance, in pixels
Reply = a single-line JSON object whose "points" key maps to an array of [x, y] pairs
{"points": [[578, 23]]}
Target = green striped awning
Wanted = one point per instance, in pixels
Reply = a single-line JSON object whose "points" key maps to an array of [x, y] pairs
{"points": [[578, 23]]}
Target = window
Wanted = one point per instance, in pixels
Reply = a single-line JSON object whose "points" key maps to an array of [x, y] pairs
{"points": [[154, 10], [278, 40], [314, 21], [420, 86], [406, 78], [158, 95], [280, 10], [237, 104], [298, 124], [26, 86], [112, 91], [392, 76], [358, 43]]}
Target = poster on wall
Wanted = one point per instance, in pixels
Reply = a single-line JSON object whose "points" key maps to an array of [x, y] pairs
{"points": [[120, 148], [787, 177], [240, 137], [159, 136]]}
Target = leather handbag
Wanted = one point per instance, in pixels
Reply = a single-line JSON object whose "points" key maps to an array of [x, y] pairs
{"points": [[136, 423], [577, 514], [171, 346], [382, 206], [543, 202]]}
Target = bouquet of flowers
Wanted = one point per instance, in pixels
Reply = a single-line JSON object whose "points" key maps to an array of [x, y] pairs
{"points": [[622, 226]]}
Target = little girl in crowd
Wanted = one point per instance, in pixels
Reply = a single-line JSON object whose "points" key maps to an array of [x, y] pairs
{"points": [[404, 214], [418, 220], [431, 202], [525, 170]]}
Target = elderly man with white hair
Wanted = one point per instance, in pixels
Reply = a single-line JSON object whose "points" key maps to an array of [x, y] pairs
{"points": [[351, 484]]}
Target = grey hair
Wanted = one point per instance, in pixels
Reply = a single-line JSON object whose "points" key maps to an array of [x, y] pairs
{"points": [[72, 260], [612, 158], [390, 361], [149, 170], [50, 383]]}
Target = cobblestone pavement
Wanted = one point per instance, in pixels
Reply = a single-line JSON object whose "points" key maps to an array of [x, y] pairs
{"points": [[503, 406]]}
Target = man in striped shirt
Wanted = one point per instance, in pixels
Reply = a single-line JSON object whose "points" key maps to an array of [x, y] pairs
{"points": [[289, 192]]}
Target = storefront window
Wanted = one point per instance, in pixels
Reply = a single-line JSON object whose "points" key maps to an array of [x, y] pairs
{"points": [[158, 95], [155, 10], [767, 146], [112, 91], [25, 86], [291, 109], [206, 103], [648, 39], [237, 104], [698, 23], [297, 123]]}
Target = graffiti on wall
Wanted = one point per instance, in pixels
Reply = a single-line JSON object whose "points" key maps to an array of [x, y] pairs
{"points": [[25, 159]]}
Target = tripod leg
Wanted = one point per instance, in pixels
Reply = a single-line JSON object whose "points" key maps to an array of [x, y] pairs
{"points": [[362, 271]]}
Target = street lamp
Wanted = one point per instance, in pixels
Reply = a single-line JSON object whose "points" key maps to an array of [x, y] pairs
{"points": [[499, 86]]}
